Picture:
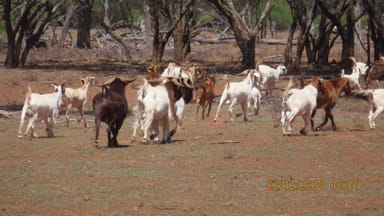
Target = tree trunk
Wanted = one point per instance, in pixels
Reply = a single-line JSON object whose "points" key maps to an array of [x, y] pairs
{"points": [[348, 37], [288, 47], [67, 23], [84, 25]]}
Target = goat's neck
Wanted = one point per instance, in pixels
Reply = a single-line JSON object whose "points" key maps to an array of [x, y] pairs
{"points": [[250, 81]]}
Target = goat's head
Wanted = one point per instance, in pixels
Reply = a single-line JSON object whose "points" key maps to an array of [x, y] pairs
{"points": [[115, 84], [317, 82], [60, 89], [152, 72], [90, 79], [282, 69]]}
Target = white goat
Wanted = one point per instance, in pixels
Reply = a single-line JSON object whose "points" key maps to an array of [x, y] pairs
{"points": [[299, 102], [269, 76], [41, 107], [362, 67], [357, 70], [190, 73], [238, 92], [154, 111], [255, 99], [375, 99], [77, 98]]}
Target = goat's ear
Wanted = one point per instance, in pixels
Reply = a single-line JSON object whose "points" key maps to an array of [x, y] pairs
{"points": [[156, 67]]}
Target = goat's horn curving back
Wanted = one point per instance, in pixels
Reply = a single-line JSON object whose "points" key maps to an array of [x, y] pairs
{"points": [[176, 81], [245, 72], [185, 81]]}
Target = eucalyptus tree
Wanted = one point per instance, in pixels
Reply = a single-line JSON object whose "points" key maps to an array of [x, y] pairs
{"points": [[375, 10], [245, 33], [25, 21]]}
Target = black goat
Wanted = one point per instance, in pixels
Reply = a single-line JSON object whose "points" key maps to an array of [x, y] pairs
{"points": [[111, 106]]}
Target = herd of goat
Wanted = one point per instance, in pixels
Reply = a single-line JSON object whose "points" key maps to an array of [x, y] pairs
{"points": [[163, 96]]}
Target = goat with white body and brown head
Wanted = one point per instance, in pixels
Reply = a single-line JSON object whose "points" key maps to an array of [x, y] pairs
{"points": [[111, 106], [41, 107], [77, 98]]}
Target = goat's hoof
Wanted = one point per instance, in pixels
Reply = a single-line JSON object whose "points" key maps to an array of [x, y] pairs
{"points": [[20, 136], [214, 120], [144, 141], [318, 129], [152, 137], [303, 132]]}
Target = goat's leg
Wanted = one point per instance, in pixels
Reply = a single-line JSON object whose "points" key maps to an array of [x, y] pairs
{"points": [[209, 108], [97, 129], [230, 109], [325, 121], [115, 132], [283, 121], [291, 117], [147, 125], [82, 115], [374, 116], [67, 112], [312, 121], [136, 125], [306, 118], [31, 126], [222, 100], [21, 126], [48, 127], [155, 132], [166, 135], [244, 107], [334, 127], [203, 111], [256, 105], [111, 131]]}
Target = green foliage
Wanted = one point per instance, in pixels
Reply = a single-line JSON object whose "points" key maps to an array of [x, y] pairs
{"points": [[281, 14]]}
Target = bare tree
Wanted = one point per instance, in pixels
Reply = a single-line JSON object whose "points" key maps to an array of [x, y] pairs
{"points": [[245, 34], [71, 11], [335, 10], [84, 19], [171, 17], [375, 10], [303, 13], [25, 22], [180, 14]]}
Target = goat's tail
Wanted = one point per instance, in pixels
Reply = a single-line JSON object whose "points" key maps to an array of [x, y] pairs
{"points": [[29, 92], [226, 80], [289, 86]]}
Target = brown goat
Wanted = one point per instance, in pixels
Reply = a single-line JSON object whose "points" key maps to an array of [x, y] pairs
{"points": [[205, 96], [111, 106], [375, 72], [327, 98]]}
